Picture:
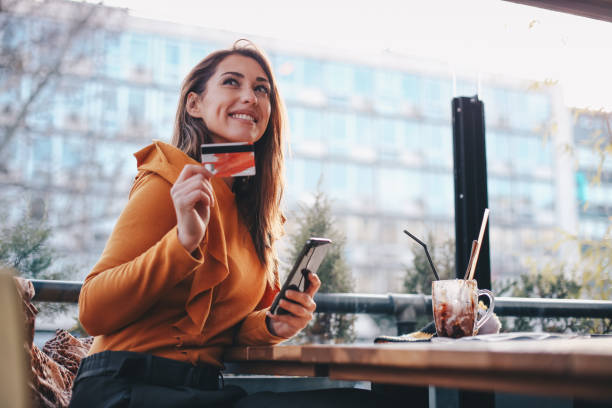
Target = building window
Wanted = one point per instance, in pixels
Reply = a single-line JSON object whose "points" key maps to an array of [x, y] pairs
{"points": [[388, 84], [197, 52], [338, 185], [312, 175], [313, 125], [364, 132], [438, 144], [136, 106], [437, 96], [538, 111], [313, 74], [363, 180], [400, 190], [139, 53], [172, 66], [338, 79], [412, 139], [389, 140], [42, 158], [411, 89], [114, 60], [439, 194], [337, 138], [543, 197], [363, 80]]}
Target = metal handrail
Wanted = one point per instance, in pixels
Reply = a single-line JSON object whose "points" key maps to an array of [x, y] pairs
{"points": [[504, 306], [391, 304], [56, 291]]}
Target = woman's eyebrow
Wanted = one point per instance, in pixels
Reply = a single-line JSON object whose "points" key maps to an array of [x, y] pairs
{"points": [[238, 74]]}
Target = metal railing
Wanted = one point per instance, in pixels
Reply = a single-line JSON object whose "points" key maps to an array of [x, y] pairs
{"points": [[504, 306], [403, 306]]}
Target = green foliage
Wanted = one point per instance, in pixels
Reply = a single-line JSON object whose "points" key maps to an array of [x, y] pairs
{"points": [[316, 220], [24, 247], [549, 282], [588, 279], [596, 266]]}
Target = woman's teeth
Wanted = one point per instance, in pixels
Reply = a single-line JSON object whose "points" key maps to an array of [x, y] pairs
{"points": [[243, 116]]}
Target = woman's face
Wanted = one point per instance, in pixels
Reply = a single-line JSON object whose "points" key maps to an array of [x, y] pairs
{"points": [[236, 103]]}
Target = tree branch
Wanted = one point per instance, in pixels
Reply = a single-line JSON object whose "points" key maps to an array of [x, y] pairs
{"points": [[47, 76]]}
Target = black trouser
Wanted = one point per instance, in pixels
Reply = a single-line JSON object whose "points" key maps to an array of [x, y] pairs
{"points": [[126, 379], [114, 379]]}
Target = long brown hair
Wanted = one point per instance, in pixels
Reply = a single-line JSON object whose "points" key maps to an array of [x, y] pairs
{"points": [[258, 197]]}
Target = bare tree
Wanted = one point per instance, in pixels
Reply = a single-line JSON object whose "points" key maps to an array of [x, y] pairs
{"points": [[41, 40], [47, 49]]}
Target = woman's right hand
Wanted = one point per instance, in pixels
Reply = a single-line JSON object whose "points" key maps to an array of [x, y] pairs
{"points": [[192, 196]]}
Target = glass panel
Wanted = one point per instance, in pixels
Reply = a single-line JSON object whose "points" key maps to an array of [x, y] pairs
{"points": [[338, 78], [172, 65], [439, 194], [364, 81], [412, 89], [313, 122], [139, 51], [313, 171], [337, 140], [388, 140], [136, 105], [114, 55], [313, 73]]}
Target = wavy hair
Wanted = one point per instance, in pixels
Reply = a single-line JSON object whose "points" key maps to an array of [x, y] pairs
{"points": [[258, 197]]}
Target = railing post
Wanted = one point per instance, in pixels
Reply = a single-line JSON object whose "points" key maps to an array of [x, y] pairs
{"points": [[408, 311]]}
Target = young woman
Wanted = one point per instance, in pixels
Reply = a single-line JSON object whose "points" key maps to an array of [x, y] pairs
{"points": [[190, 267]]}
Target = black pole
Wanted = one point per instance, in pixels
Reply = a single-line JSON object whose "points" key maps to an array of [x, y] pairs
{"points": [[471, 198]]}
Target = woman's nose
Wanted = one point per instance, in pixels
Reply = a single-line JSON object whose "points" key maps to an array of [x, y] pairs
{"points": [[248, 95]]}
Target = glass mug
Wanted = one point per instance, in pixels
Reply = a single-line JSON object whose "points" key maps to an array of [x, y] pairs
{"points": [[455, 307]]}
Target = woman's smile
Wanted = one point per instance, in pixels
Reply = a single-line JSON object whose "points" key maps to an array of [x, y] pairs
{"points": [[246, 117]]}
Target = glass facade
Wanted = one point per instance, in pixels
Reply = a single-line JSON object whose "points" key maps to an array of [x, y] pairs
{"points": [[377, 140], [594, 172]]}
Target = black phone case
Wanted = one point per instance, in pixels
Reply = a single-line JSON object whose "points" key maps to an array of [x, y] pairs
{"points": [[309, 260]]}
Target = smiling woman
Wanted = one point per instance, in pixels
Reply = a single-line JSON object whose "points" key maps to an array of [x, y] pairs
{"points": [[190, 268], [231, 96]]}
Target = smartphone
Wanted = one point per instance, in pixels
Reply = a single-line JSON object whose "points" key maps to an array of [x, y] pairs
{"points": [[309, 260]]}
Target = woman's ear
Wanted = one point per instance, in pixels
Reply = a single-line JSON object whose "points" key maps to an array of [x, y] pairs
{"points": [[193, 106]]}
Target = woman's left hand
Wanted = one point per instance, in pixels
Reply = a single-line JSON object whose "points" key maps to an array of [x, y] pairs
{"points": [[300, 306]]}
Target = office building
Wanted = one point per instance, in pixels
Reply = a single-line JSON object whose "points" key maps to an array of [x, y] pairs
{"points": [[373, 131]]}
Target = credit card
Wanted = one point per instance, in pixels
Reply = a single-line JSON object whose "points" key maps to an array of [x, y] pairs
{"points": [[229, 159]]}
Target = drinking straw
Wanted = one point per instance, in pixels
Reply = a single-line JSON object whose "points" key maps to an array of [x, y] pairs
{"points": [[433, 268], [483, 226], [472, 252]]}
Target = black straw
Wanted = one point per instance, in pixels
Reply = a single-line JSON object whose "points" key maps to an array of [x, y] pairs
{"points": [[433, 268]]}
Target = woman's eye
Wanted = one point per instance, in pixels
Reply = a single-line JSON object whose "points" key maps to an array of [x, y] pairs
{"points": [[263, 89], [230, 81]]}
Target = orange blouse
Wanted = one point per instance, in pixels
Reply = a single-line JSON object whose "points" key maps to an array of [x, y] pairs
{"points": [[148, 294]]}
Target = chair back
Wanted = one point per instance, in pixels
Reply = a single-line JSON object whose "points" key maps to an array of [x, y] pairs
{"points": [[13, 358]]}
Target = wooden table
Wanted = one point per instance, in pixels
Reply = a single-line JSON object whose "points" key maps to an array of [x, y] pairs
{"points": [[561, 367]]}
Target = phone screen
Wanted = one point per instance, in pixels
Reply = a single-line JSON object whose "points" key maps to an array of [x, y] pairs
{"points": [[309, 260]]}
